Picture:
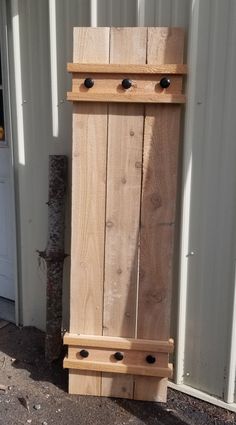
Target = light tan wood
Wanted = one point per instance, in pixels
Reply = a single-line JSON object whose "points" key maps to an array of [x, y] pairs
{"points": [[130, 69], [123, 166], [125, 136], [131, 357], [119, 387], [88, 197], [126, 97], [118, 368], [165, 46], [156, 391], [85, 382], [91, 45], [118, 343], [161, 143], [112, 84]]}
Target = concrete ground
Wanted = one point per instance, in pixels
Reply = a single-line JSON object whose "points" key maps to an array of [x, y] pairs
{"points": [[32, 392]]}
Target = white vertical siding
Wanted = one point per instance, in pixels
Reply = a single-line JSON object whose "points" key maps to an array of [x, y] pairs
{"points": [[209, 207], [213, 202]]}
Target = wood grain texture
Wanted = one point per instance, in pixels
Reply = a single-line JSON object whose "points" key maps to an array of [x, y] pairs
{"points": [[91, 45], [125, 138], [85, 382], [88, 197], [117, 368], [142, 85], [133, 357], [155, 391], [160, 164], [160, 161], [165, 45], [119, 343], [131, 68], [125, 135], [124, 177], [132, 97]]}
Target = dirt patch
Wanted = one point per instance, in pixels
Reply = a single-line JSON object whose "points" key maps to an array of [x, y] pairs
{"points": [[35, 392]]}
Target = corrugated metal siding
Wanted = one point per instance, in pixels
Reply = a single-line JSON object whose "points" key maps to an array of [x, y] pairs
{"points": [[213, 202], [45, 48]]}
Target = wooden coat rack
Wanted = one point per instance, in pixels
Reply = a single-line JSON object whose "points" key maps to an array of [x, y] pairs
{"points": [[127, 96]]}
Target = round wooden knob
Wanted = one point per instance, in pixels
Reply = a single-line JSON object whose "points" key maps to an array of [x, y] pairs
{"points": [[84, 353], [118, 356], [150, 359], [165, 82], [88, 82], [126, 83]]}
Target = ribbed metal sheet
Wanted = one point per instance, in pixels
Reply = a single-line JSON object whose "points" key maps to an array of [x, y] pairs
{"points": [[46, 32], [211, 276]]}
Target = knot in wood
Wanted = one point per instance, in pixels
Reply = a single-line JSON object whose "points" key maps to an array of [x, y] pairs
{"points": [[155, 296], [156, 200], [109, 224]]}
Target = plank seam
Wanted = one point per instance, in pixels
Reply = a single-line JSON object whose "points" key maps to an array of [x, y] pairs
{"points": [[105, 228]]}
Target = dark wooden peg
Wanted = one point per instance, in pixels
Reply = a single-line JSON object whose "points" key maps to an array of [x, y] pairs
{"points": [[150, 359], [126, 83], [165, 83], [118, 356], [84, 353], [89, 83]]}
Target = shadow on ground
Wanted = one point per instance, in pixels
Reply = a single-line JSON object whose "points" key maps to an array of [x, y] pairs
{"points": [[26, 376]]}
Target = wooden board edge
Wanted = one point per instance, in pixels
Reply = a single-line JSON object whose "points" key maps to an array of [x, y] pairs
{"points": [[119, 343], [160, 372], [126, 97], [178, 69]]}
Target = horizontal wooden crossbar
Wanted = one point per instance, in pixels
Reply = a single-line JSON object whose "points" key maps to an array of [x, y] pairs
{"points": [[179, 69], [126, 97], [163, 372], [118, 343]]}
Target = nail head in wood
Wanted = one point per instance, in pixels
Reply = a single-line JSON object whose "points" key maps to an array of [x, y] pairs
{"points": [[150, 359], [165, 83], [89, 83], [126, 83], [118, 355], [84, 353]]}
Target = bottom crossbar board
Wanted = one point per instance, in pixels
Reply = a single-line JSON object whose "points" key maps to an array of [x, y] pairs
{"points": [[159, 372], [119, 355]]}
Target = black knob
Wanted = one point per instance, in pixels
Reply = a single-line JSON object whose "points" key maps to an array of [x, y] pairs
{"points": [[150, 359], [126, 83], [88, 82], [165, 83], [84, 353], [118, 356]]}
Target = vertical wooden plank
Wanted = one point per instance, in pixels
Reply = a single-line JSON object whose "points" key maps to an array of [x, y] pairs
{"points": [[125, 138], [88, 207], [160, 165]]}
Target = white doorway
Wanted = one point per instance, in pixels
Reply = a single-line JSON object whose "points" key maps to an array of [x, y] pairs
{"points": [[7, 203]]}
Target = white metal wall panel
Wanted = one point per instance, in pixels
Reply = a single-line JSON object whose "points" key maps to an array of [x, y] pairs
{"points": [[28, 30], [45, 40], [213, 202]]}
